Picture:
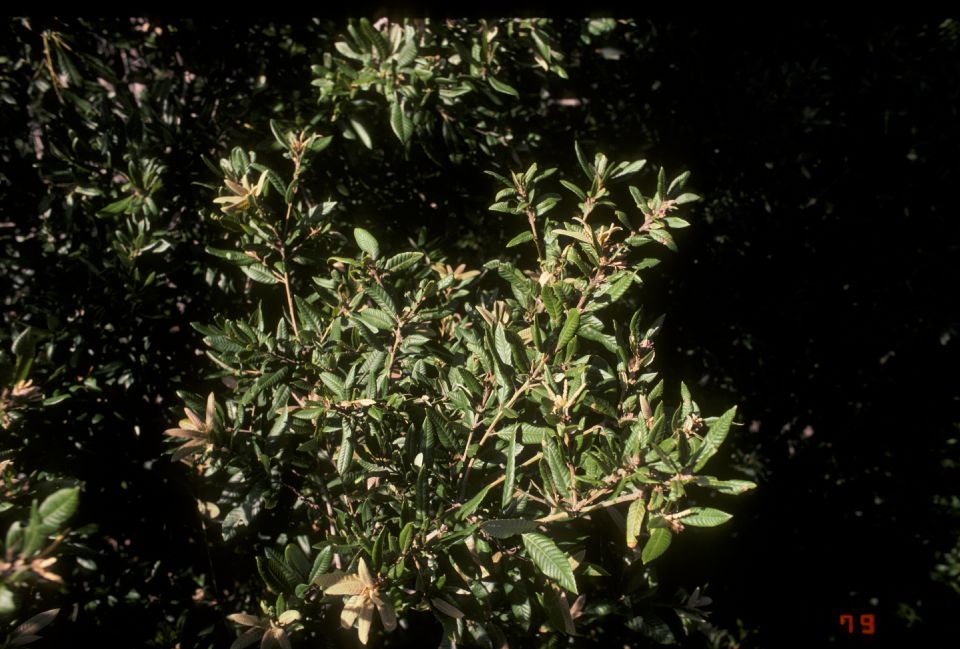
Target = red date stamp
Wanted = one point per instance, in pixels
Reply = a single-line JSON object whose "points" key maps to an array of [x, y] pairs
{"points": [[867, 624]]}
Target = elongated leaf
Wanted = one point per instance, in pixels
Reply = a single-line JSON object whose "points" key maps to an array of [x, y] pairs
{"points": [[259, 273], [657, 544], [510, 470], [550, 560], [310, 317], [471, 505], [402, 260], [523, 237], [558, 469], [58, 507], [321, 564], [505, 88], [367, 242], [382, 298], [361, 132], [635, 520], [503, 528], [573, 188], [35, 623], [503, 345], [714, 438], [569, 329], [376, 319], [663, 237], [579, 236], [401, 123], [732, 487], [705, 517]]}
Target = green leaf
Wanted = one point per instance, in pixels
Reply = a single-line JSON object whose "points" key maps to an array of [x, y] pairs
{"points": [[588, 170], [657, 544], [58, 507], [510, 470], [321, 564], [259, 273], [376, 319], [367, 242], [677, 183], [550, 560], [579, 236], [705, 517], [663, 237], [573, 188], [503, 345], [471, 505], [502, 87], [732, 487], [502, 528], [294, 557], [523, 237], [382, 298], [686, 198], [569, 329], [559, 473], [345, 455], [714, 438], [635, 516], [361, 132], [402, 260], [310, 316], [401, 124]]}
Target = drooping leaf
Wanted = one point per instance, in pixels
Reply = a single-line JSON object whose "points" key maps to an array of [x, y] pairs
{"points": [[550, 559], [657, 544]]}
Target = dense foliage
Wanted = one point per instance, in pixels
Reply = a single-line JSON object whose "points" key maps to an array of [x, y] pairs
{"points": [[813, 147]]}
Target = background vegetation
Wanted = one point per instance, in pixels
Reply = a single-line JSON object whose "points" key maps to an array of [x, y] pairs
{"points": [[814, 290]]}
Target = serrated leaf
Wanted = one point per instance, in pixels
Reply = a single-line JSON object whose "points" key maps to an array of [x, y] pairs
{"points": [[523, 237], [569, 329], [502, 528], [321, 563], [579, 236], [376, 319], [382, 298], [58, 507], [259, 273], [657, 544], [310, 317], [510, 469], [705, 517], [635, 516], [367, 242], [503, 345], [714, 438], [402, 260], [731, 487], [558, 468], [663, 237], [401, 124], [550, 559]]}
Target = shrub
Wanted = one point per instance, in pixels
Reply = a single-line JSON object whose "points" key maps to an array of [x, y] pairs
{"points": [[488, 445]]}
